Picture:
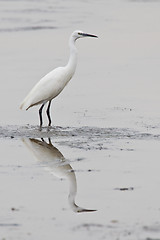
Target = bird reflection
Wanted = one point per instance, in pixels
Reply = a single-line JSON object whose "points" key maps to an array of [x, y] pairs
{"points": [[57, 164]]}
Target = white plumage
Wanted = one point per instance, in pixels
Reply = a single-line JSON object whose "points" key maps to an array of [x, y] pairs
{"points": [[54, 82], [46, 89]]}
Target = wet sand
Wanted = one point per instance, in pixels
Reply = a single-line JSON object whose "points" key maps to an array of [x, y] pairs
{"points": [[95, 173], [113, 171]]}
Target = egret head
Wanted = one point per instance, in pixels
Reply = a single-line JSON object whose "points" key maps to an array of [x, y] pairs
{"points": [[79, 34]]}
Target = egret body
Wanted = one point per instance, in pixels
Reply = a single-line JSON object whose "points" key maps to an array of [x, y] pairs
{"points": [[54, 82]]}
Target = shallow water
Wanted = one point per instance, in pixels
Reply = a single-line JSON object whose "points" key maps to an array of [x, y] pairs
{"points": [[103, 150], [112, 171]]}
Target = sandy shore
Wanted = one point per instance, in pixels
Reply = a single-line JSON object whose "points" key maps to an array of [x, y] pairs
{"points": [[52, 180]]}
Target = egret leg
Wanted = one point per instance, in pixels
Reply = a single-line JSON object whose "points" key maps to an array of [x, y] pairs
{"points": [[40, 115], [49, 140], [48, 114]]}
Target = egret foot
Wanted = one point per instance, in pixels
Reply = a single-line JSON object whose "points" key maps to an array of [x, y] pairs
{"points": [[49, 128]]}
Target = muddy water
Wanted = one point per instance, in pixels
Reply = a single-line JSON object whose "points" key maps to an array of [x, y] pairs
{"points": [[95, 173]]}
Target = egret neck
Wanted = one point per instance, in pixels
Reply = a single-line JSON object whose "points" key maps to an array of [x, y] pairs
{"points": [[72, 63]]}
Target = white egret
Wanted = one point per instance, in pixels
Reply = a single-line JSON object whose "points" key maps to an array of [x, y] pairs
{"points": [[54, 82]]}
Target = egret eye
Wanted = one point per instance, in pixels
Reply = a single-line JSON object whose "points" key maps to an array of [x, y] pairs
{"points": [[79, 33]]}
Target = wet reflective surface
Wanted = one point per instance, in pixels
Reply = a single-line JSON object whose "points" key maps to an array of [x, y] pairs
{"points": [[53, 159], [57, 184]]}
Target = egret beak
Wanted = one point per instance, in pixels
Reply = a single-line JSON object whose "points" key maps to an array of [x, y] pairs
{"points": [[89, 35]]}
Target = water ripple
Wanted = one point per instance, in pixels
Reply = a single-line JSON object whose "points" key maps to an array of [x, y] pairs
{"points": [[27, 28]]}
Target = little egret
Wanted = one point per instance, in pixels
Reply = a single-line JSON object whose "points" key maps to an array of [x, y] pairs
{"points": [[54, 82]]}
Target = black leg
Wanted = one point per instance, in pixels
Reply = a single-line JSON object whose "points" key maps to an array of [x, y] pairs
{"points": [[48, 113], [49, 140], [40, 115]]}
